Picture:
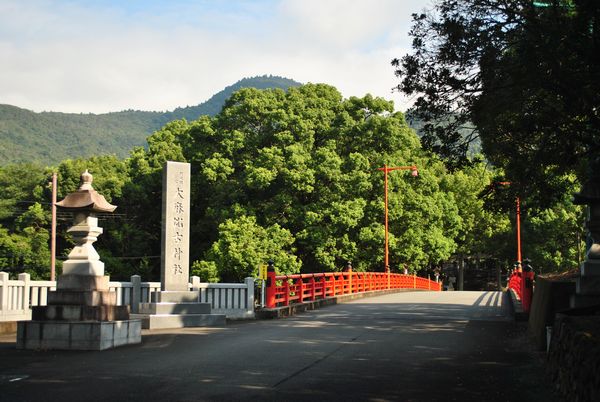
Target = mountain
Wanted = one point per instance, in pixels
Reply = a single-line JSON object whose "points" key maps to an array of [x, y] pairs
{"points": [[50, 137], [213, 106]]}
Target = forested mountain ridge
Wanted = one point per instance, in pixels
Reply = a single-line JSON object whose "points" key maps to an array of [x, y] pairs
{"points": [[50, 137]]}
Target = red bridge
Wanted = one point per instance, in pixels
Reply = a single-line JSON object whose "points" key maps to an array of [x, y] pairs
{"points": [[283, 290]]}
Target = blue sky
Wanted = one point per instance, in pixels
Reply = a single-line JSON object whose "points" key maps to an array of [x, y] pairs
{"points": [[106, 55]]}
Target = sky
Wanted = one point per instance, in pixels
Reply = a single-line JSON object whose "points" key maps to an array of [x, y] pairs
{"points": [[99, 56]]}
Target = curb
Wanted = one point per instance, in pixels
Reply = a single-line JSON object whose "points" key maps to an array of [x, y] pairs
{"points": [[8, 327], [516, 307]]}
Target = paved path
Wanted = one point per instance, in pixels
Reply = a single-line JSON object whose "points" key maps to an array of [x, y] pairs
{"points": [[423, 346]]}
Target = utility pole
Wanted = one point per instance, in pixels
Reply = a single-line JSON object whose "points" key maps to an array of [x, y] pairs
{"points": [[53, 234]]}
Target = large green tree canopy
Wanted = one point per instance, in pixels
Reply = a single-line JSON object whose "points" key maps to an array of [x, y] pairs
{"points": [[305, 161], [290, 176], [522, 75]]}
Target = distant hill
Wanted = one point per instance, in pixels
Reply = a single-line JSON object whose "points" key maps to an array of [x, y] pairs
{"points": [[50, 137], [417, 124], [213, 106]]}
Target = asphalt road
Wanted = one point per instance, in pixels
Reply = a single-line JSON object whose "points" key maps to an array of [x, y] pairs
{"points": [[424, 346]]}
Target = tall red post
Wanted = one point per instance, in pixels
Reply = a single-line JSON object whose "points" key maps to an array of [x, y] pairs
{"points": [[301, 290], [347, 272], [270, 296], [519, 229], [386, 169], [385, 190], [313, 287]]}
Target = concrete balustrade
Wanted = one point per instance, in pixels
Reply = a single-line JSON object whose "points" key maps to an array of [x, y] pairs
{"points": [[235, 300]]}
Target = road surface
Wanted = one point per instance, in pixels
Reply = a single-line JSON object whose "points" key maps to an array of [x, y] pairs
{"points": [[411, 346]]}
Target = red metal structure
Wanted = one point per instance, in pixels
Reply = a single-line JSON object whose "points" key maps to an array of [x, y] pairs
{"points": [[283, 290], [514, 283], [521, 282], [386, 169]]}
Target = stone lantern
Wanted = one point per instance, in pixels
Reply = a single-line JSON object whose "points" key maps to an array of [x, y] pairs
{"points": [[82, 314], [588, 283], [84, 261]]}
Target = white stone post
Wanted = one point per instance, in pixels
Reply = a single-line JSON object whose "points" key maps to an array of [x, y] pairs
{"points": [[26, 278], [4, 291], [195, 282], [136, 293], [250, 294]]}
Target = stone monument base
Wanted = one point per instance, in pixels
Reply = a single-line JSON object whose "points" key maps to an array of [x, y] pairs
{"points": [[78, 335], [177, 309]]}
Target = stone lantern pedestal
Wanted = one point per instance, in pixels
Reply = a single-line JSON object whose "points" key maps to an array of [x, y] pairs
{"points": [[82, 314]]}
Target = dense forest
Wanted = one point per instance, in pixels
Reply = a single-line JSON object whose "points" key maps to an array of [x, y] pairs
{"points": [[288, 175], [50, 137]]}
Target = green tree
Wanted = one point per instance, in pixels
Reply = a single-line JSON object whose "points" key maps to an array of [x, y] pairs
{"points": [[243, 245], [307, 160], [26, 249], [523, 76], [554, 238], [482, 229], [291, 176], [22, 185], [24, 224]]}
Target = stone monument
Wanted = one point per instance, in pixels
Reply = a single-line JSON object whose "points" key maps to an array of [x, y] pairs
{"points": [[587, 291], [176, 306], [82, 313]]}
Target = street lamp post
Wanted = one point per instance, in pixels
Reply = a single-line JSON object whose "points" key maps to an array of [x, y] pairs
{"points": [[386, 169], [53, 233]]}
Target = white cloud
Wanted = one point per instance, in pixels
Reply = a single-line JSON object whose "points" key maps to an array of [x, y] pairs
{"points": [[72, 57]]}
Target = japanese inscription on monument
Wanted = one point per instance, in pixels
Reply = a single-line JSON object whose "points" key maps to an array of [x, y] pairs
{"points": [[175, 226]]}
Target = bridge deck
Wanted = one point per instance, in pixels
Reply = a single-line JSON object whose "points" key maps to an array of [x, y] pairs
{"points": [[489, 306], [409, 346]]}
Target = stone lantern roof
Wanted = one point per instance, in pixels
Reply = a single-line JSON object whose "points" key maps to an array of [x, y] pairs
{"points": [[86, 198]]}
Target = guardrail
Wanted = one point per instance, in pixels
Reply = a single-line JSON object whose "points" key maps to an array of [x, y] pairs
{"points": [[522, 283], [235, 300], [283, 290], [514, 283]]}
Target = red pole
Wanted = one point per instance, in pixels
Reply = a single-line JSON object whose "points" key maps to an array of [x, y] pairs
{"points": [[385, 170], [270, 296], [53, 233], [385, 187], [518, 229]]}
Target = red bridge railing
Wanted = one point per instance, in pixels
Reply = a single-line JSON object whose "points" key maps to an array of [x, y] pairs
{"points": [[522, 283], [514, 283], [283, 290]]}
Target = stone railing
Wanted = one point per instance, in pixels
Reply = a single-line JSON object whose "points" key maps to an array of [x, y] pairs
{"points": [[235, 300]]}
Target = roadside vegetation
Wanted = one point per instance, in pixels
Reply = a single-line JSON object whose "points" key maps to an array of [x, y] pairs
{"points": [[288, 175]]}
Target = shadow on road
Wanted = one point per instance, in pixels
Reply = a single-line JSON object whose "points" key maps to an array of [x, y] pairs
{"points": [[360, 351]]}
